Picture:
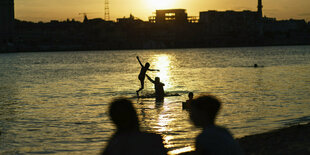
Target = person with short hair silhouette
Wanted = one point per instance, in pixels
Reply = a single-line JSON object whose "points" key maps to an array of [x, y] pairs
{"points": [[213, 139], [141, 76], [186, 105], [159, 87], [128, 139]]}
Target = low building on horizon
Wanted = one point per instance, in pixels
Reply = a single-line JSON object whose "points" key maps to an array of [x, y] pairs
{"points": [[177, 16]]}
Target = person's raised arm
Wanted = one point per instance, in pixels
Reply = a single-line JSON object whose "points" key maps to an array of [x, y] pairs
{"points": [[153, 69], [139, 61], [150, 78]]}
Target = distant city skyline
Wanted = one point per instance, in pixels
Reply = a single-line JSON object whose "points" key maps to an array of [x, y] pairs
{"points": [[39, 10]]}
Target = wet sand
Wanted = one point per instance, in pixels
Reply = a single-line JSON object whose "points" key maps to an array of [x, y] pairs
{"points": [[290, 140]]}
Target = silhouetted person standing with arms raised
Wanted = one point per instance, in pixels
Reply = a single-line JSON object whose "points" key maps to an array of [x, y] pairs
{"points": [[128, 139], [213, 139], [159, 87], [142, 73]]}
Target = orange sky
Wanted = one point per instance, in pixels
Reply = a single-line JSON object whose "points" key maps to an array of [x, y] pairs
{"points": [[46, 10]]}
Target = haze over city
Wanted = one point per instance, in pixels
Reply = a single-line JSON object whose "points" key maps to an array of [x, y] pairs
{"points": [[39, 10]]}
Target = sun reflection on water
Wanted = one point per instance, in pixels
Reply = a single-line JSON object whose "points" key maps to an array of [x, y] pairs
{"points": [[164, 120], [163, 62], [181, 150], [167, 123]]}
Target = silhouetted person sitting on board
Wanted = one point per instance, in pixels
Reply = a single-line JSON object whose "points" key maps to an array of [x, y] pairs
{"points": [[159, 87], [213, 139], [186, 105], [128, 139], [142, 73]]}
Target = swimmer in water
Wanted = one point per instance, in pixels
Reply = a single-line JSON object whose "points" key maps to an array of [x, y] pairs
{"points": [[159, 87], [186, 105]]}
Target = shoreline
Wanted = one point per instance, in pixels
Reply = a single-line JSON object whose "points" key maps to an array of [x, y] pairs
{"points": [[294, 139], [34, 50]]}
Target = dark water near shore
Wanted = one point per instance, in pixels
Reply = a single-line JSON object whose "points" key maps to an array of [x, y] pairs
{"points": [[56, 102]]}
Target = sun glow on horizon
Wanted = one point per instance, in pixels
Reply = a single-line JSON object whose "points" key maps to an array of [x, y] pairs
{"points": [[160, 4]]}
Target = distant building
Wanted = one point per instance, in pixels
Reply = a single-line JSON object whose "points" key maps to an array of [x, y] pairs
{"points": [[169, 16], [132, 19], [85, 18], [227, 17], [284, 26], [230, 22], [6, 20], [232, 16], [260, 9]]}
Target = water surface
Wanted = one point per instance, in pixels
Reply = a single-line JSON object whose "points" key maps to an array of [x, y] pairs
{"points": [[56, 102]]}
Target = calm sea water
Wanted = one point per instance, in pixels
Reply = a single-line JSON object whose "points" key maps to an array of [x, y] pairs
{"points": [[56, 102]]}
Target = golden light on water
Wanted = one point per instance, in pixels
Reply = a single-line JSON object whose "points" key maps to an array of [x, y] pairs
{"points": [[167, 121], [164, 124], [181, 150], [164, 120], [162, 62]]}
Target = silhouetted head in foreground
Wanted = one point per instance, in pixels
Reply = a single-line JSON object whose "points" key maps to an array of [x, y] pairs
{"points": [[213, 139], [124, 115], [204, 110], [128, 139], [255, 65]]}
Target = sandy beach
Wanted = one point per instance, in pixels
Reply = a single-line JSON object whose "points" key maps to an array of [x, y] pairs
{"points": [[291, 140]]}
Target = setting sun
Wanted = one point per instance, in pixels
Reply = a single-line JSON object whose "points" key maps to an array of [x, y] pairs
{"points": [[160, 4]]}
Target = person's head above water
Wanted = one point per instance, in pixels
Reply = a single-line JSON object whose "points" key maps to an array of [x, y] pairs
{"points": [[123, 115], [190, 95], [147, 65], [204, 110]]}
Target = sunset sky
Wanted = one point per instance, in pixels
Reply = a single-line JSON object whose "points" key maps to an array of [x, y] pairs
{"points": [[46, 10]]}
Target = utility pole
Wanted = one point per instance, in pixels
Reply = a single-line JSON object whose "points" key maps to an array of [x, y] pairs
{"points": [[106, 10]]}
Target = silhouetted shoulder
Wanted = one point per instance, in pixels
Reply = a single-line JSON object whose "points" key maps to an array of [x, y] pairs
{"points": [[137, 143], [217, 140]]}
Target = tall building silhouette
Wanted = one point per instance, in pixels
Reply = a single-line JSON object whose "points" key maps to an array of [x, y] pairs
{"points": [[6, 20], [260, 9]]}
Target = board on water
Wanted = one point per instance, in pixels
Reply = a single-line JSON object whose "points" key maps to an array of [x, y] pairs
{"points": [[154, 96]]}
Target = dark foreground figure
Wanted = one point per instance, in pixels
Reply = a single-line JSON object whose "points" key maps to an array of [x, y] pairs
{"points": [[128, 139], [213, 139]]}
